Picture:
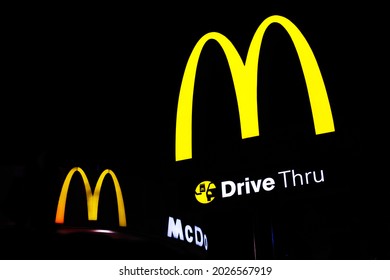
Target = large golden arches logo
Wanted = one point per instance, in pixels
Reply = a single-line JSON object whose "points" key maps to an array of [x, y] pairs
{"points": [[92, 196], [245, 77]]}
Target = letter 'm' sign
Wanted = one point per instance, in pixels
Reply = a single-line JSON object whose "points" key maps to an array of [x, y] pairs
{"points": [[245, 77]]}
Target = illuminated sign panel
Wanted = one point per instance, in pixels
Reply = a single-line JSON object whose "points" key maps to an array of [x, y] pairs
{"points": [[230, 188], [245, 77], [175, 230], [92, 196]]}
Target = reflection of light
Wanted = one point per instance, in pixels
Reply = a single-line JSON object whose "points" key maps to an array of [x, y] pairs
{"points": [[102, 231], [86, 230], [273, 240]]}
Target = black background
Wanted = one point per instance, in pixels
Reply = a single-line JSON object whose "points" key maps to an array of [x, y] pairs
{"points": [[97, 86]]}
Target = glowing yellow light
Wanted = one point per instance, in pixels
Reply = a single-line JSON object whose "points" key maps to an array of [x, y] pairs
{"points": [[92, 197], [245, 83]]}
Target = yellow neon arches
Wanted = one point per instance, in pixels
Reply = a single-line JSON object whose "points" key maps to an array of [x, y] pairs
{"points": [[245, 82], [92, 197]]}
